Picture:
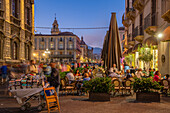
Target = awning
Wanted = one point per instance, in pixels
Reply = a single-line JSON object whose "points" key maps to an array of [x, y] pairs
{"points": [[151, 41], [166, 34], [135, 48]]}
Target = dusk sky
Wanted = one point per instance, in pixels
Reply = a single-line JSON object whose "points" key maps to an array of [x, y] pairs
{"points": [[81, 14]]}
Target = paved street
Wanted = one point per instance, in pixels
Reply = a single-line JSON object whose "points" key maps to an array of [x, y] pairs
{"points": [[80, 104]]}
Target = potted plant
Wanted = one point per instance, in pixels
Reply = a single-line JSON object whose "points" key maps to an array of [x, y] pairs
{"points": [[99, 89], [146, 90]]}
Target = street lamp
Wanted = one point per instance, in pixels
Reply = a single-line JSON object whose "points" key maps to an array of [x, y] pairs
{"points": [[160, 35], [47, 52]]}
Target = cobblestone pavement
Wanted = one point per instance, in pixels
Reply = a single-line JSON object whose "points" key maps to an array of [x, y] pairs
{"points": [[80, 104]]}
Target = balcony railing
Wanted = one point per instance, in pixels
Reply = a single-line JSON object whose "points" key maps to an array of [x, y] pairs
{"points": [[150, 20], [28, 27], [61, 56], [1, 13], [125, 20], [14, 20], [131, 14], [60, 48]]}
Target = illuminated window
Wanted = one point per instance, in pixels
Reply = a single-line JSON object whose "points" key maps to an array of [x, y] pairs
{"points": [[61, 53], [61, 45]]}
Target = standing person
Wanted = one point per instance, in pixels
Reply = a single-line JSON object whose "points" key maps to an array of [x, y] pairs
{"points": [[4, 72], [32, 68], [55, 77]]}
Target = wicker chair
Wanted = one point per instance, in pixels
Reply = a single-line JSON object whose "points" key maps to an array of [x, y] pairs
{"points": [[165, 83], [127, 86], [117, 87]]}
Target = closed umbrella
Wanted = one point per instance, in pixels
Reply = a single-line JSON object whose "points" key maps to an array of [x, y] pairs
{"points": [[112, 51]]}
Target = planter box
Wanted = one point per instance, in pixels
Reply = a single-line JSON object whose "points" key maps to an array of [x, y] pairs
{"points": [[148, 97], [99, 96]]}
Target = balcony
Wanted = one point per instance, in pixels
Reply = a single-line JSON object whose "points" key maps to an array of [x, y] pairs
{"points": [[60, 48], [131, 14], [131, 43], [15, 21], [125, 21], [61, 56], [1, 14], [28, 27], [138, 4], [166, 16], [150, 24]]}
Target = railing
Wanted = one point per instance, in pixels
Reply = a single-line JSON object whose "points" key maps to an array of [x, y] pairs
{"points": [[15, 20], [28, 27], [60, 48], [1, 13], [52, 48], [61, 56], [150, 20]]}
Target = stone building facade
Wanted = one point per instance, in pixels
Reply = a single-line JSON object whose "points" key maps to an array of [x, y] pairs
{"points": [[16, 30], [62, 46], [144, 21]]}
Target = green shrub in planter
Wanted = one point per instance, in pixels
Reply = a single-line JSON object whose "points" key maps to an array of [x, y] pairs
{"points": [[146, 85], [80, 70], [99, 85]]}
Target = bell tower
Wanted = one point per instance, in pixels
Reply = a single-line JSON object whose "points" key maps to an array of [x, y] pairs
{"points": [[55, 29]]}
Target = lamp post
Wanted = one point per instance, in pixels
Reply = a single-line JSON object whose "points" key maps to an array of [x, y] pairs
{"points": [[47, 52]]}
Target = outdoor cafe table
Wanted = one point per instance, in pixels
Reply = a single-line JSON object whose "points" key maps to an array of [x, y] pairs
{"points": [[77, 82]]}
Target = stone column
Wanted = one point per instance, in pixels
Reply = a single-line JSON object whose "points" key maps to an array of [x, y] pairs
{"points": [[7, 29]]}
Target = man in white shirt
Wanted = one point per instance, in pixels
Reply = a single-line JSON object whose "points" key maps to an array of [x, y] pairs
{"points": [[113, 68], [70, 76]]}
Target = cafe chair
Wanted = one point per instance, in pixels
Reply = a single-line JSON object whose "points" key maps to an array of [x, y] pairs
{"points": [[117, 87], [51, 99], [66, 88], [165, 84]]}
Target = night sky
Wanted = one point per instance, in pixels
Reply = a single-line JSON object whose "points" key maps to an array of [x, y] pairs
{"points": [[81, 14]]}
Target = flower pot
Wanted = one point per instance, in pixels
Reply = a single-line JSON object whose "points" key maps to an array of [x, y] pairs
{"points": [[99, 96], [148, 97]]}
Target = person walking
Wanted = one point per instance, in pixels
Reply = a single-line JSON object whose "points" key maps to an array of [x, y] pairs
{"points": [[4, 72]]}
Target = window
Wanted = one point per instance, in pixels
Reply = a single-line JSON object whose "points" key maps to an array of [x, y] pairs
{"points": [[1, 4], [61, 53], [42, 39], [61, 39], [35, 42], [70, 39], [28, 16], [42, 45], [15, 8], [70, 53], [51, 39], [70, 46], [15, 51], [27, 52], [61, 45], [52, 45]]}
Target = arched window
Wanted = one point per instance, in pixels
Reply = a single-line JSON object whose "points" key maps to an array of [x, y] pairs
{"points": [[27, 52], [15, 50]]}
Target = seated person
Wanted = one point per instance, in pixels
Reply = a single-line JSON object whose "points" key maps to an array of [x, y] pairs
{"points": [[86, 77], [70, 76], [128, 75], [113, 74], [77, 73]]}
